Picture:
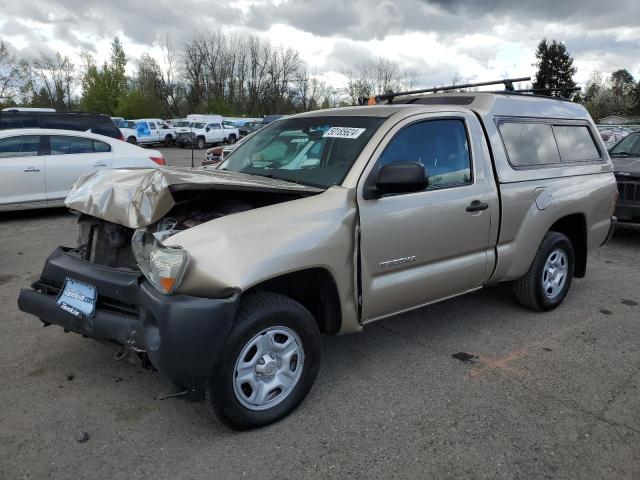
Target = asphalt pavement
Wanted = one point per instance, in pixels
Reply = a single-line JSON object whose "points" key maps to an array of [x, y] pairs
{"points": [[475, 387]]}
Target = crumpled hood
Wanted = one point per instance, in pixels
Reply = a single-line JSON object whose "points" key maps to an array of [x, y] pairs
{"points": [[629, 165], [139, 197]]}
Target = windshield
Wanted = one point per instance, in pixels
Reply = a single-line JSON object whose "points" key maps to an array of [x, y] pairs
{"points": [[198, 126], [628, 146], [182, 123], [316, 151]]}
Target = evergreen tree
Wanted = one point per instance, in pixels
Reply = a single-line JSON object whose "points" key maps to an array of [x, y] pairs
{"points": [[555, 66], [102, 87]]}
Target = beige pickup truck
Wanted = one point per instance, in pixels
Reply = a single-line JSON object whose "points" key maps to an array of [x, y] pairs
{"points": [[224, 279]]}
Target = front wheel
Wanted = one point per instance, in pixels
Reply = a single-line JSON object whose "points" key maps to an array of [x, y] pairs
{"points": [[201, 143], [132, 140], [168, 140], [547, 282], [231, 140], [268, 364]]}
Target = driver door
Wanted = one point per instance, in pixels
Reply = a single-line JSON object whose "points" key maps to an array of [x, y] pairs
{"points": [[420, 247]]}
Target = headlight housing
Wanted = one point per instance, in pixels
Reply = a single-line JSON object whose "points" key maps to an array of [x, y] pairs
{"points": [[163, 266]]}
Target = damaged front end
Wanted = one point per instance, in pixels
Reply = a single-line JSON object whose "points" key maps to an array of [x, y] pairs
{"points": [[133, 277]]}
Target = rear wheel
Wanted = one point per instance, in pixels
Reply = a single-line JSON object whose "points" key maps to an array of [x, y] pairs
{"points": [[268, 364], [132, 140], [547, 282]]}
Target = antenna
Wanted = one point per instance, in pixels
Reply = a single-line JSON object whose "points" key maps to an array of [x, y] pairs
{"points": [[507, 82]]}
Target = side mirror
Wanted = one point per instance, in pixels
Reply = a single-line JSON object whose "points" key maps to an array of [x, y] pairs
{"points": [[401, 177], [208, 129]]}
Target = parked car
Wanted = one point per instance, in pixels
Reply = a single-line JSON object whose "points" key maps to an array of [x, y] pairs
{"points": [[611, 137], [38, 166], [215, 155], [78, 121], [117, 121], [210, 129], [325, 222], [247, 128], [625, 156], [28, 109], [271, 118], [148, 131]]}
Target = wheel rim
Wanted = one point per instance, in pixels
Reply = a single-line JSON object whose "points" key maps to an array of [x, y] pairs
{"points": [[268, 368], [554, 275]]}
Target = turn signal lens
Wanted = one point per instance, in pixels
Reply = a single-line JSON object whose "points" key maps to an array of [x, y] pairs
{"points": [[167, 267]]}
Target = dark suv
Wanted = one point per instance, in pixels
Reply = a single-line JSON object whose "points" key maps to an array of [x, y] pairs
{"points": [[625, 156], [80, 121]]}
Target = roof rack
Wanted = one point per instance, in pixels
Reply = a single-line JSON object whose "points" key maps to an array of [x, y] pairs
{"points": [[565, 92], [508, 87]]}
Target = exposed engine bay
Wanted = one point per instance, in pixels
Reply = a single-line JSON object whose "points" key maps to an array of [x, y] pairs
{"points": [[109, 244]]}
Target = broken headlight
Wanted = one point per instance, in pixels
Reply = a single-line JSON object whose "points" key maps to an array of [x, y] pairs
{"points": [[163, 266]]}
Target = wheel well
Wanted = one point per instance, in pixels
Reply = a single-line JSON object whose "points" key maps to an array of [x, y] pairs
{"points": [[313, 288], [575, 227]]}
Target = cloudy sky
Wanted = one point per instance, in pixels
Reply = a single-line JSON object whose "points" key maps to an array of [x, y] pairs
{"points": [[473, 40]]}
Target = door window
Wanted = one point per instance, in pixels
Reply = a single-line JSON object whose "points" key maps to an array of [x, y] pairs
{"points": [[65, 145], [441, 146], [152, 125], [214, 126], [20, 146]]}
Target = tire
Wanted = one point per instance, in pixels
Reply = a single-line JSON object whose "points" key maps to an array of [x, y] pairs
{"points": [[168, 140], [531, 291], [271, 318], [132, 140], [231, 140], [200, 143]]}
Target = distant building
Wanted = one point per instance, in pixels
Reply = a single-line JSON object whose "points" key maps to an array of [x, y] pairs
{"points": [[619, 120]]}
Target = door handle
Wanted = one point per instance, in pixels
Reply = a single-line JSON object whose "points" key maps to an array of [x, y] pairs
{"points": [[100, 164], [32, 169], [477, 206]]}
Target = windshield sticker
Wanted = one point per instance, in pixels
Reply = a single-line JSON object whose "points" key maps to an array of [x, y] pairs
{"points": [[343, 132]]}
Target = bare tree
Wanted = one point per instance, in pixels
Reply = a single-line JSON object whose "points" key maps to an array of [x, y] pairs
{"points": [[9, 74]]}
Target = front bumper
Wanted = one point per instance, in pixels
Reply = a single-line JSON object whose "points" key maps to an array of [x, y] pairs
{"points": [[182, 335], [628, 206], [628, 212]]}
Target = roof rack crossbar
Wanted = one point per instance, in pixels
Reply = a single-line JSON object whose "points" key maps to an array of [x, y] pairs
{"points": [[508, 86], [564, 91]]}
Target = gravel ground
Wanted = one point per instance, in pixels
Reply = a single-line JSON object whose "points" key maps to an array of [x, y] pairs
{"points": [[552, 395]]}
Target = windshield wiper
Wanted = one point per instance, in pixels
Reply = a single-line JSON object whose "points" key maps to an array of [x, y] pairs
{"points": [[626, 154]]}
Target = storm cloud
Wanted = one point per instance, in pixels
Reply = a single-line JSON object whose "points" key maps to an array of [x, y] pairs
{"points": [[439, 38]]}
